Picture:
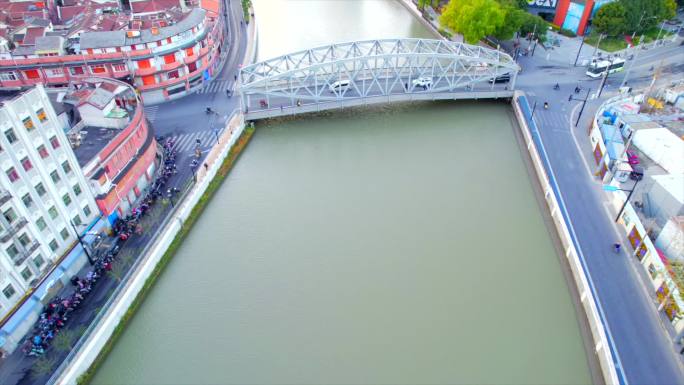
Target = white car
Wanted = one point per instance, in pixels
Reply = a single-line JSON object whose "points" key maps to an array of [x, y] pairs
{"points": [[340, 86], [423, 81]]}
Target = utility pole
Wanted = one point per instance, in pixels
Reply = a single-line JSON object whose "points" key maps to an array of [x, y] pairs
{"points": [[605, 77], [634, 59], [80, 240], [593, 55], [580, 49], [639, 24], [584, 102], [627, 200], [660, 31], [535, 46]]}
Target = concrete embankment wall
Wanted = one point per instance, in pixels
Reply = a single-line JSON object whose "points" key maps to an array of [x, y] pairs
{"points": [[603, 345], [119, 305]]}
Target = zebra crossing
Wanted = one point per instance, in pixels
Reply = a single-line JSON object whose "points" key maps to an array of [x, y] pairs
{"points": [[151, 112], [187, 141], [215, 86]]}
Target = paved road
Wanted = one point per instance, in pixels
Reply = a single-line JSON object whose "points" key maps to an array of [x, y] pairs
{"points": [[646, 351]]}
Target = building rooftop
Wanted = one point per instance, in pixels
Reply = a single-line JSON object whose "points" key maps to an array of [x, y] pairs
{"points": [[93, 140], [106, 39], [99, 109], [95, 23]]}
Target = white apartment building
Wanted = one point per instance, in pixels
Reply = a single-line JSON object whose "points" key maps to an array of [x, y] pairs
{"points": [[42, 192]]}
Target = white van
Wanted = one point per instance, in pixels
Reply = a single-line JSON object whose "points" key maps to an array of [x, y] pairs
{"points": [[340, 86]]}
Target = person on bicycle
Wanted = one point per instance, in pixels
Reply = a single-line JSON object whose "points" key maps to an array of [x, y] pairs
{"points": [[616, 246]]}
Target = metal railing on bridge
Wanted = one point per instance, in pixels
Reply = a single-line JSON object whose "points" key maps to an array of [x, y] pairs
{"points": [[337, 73]]}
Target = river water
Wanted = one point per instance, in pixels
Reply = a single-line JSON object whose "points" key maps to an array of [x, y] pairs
{"points": [[394, 245]]}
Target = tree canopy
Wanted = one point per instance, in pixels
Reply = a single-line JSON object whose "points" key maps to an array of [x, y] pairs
{"points": [[474, 19], [610, 19], [641, 15]]}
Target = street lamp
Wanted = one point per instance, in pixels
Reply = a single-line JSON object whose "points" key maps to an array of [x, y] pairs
{"points": [[634, 59], [83, 245], [614, 188], [584, 102], [579, 50]]}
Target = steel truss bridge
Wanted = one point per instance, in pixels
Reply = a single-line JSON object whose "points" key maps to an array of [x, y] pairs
{"points": [[373, 71]]}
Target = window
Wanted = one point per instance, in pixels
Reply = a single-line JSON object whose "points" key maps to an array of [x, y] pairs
{"points": [[119, 67], [26, 163], [170, 58], [54, 142], [66, 167], [9, 291], [144, 63], [31, 74], [28, 124], [64, 233], [55, 72], [11, 137], [98, 69], [12, 251], [40, 222], [149, 79], [26, 274], [53, 212], [42, 116], [67, 199], [8, 75], [42, 151], [54, 176], [53, 245], [86, 211], [77, 220], [40, 189], [77, 189], [38, 261], [189, 52], [10, 215], [27, 200], [24, 239], [12, 174], [173, 75], [76, 70]]}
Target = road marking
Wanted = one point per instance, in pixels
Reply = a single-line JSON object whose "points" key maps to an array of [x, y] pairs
{"points": [[577, 146], [151, 112]]}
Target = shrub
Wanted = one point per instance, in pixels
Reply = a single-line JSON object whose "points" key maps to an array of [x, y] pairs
{"points": [[445, 33], [567, 32]]}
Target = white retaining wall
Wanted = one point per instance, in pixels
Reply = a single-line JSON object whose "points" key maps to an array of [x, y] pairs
{"points": [[588, 302]]}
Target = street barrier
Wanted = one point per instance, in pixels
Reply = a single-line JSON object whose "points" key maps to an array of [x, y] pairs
{"points": [[609, 359]]}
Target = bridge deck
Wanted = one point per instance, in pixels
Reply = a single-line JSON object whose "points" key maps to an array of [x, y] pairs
{"points": [[286, 110]]}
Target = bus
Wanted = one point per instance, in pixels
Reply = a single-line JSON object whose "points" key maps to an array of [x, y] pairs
{"points": [[598, 68]]}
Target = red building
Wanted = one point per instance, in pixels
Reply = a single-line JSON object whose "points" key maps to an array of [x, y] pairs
{"points": [[573, 15], [112, 141], [165, 48]]}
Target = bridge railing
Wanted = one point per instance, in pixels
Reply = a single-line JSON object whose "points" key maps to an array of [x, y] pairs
{"points": [[609, 359]]}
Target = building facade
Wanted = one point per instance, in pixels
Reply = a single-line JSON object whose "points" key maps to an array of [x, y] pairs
{"points": [[45, 197], [166, 49], [573, 15], [111, 139]]}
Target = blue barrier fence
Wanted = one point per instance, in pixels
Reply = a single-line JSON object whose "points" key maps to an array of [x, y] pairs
{"points": [[536, 137]]}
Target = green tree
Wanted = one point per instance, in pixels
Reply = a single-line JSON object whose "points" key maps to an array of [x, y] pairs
{"points": [[642, 15], [513, 21], [534, 24], [610, 19], [66, 338], [670, 10], [474, 19], [43, 366]]}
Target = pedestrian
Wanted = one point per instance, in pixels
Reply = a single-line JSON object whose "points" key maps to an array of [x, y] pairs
{"points": [[206, 166], [682, 351], [235, 77]]}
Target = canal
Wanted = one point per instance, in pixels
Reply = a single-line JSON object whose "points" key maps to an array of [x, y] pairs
{"points": [[397, 245]]}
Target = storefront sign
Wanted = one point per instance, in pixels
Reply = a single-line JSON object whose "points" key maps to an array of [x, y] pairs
{"points": [[546, 4]]}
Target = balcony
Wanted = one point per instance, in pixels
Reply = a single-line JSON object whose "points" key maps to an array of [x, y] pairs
{"points": [[5, 196], [146, 71], [33, 246], [171, 66], [13, 229]]}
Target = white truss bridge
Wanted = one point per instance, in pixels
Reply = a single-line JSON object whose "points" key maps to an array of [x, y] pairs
{"points": [[373, 71]]}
